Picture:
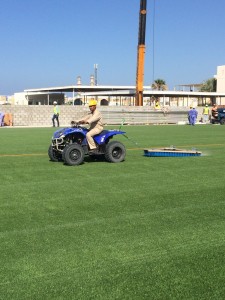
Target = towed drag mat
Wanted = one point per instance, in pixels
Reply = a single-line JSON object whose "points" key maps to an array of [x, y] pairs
{"points": [[171, 152]]}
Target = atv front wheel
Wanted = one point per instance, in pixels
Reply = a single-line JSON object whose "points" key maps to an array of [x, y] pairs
{"points": [[73, 155], [53, 155], [115, 152]]}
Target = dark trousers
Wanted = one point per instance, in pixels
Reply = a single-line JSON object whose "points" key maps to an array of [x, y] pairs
{"points": [[55, 117]]}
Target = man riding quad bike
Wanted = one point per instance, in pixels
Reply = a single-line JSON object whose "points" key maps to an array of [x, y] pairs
{"points": [[94, 119], [72, 144]]}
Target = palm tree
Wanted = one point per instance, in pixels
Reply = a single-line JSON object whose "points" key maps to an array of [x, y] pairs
{"points": [[159, 85], [208, 85]]}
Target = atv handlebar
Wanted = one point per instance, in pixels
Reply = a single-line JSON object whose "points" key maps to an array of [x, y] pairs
{"points": [[75, 124]]}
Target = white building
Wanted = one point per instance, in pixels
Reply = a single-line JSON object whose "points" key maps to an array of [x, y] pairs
{"points": [[38, 98], [121, 95]]}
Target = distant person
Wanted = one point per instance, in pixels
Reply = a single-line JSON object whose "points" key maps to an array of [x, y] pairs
{"points": [[55, 114], [205, 114], [192, 116], [94, 119], [157, 105], [2, 118], [214, 112], [165, 110]]}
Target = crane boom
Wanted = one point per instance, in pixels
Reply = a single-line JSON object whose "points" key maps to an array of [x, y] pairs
{"points": [[141, 54]]}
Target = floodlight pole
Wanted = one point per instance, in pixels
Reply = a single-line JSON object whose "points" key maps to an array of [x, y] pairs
{"points": [[96, 73]]}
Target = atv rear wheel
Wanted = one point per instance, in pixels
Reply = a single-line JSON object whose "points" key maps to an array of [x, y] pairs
{"points": [[73, 155], [53, 155], [115, 152]]}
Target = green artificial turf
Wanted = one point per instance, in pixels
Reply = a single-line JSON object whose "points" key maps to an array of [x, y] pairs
{"points": [[147, 228]]}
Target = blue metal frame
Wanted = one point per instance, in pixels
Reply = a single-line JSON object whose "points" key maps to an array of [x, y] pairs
{"points": [[99, 139]]}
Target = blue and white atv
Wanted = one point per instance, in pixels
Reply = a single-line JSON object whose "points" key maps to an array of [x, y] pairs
{"points": [[70, 145]]}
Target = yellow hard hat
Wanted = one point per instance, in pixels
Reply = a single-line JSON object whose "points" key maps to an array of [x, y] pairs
{"points": [[92, 102]]}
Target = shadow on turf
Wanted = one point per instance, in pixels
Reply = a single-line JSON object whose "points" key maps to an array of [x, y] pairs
{"points": [[94, 158], [88, 159]]}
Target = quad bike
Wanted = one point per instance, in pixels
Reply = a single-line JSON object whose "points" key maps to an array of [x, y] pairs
{"points": [[70, 145], [219, 117]]}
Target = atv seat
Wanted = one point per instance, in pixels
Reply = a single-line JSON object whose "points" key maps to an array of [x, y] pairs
{"points": [[101, 133]]}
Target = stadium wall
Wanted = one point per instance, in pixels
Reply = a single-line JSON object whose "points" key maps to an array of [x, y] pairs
{"points": [[40, 116]]}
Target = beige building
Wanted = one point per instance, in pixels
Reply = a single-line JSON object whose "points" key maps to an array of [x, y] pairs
{"points": [[3, 99], [220, 78]]}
